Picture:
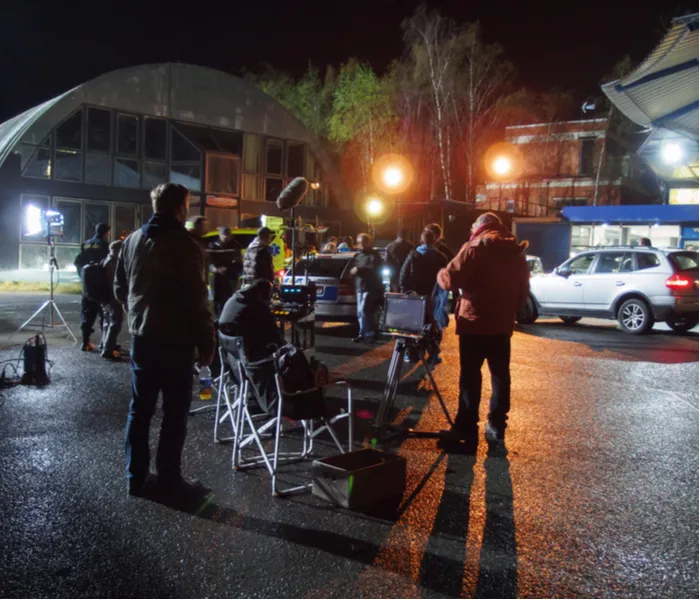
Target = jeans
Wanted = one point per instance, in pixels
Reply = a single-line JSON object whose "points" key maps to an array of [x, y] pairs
{"points": [[367, 308], [89, 311], [111, 326], [157, 366], [473, 350]]}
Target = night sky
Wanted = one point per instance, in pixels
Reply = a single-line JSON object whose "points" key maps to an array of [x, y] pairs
{"points": [[48, 47]]}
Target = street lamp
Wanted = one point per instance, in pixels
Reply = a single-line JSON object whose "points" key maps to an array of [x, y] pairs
{"points": [[502, 166], [393, 177], [392, 174], [374, 207]]}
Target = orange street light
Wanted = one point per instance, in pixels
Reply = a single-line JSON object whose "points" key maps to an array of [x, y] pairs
{"points": [[502, 166], [392, 174]]}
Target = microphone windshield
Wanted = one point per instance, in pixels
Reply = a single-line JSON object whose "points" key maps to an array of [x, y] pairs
{"points": [[293, 193]]}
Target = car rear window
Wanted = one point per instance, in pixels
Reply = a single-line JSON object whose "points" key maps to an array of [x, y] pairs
{"points": [[684, 261], [323, 267], [647, 260]]}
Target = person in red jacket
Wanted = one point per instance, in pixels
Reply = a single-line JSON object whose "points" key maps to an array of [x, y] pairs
{"points": [[490, 272]]}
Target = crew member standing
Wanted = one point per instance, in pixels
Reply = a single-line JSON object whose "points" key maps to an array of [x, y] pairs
{"points": [[440, 241], [396, 254], [161, 278], [93, 250], [112, 310], [492, 274], [365, 268], [257, 262], [226, 267]]}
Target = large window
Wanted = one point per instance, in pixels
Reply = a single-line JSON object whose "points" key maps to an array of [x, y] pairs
{"points": [[607, 235], [72, 218], [222, 174], [126, 172], [581, 236], [98, 169], [295, 159], [189, 175], [253, 158], [128, 135], [274, 157], [69, 133], [155, 139], [154, 173], [99, 130], [124, 221], [39, 164], [68, 158], [273, 188], [586, 158], [33, 256], [186, 168], [230, 142], [94, 213]]}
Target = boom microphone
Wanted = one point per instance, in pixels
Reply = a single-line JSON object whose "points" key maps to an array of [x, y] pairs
{"points": [[293, 193]]}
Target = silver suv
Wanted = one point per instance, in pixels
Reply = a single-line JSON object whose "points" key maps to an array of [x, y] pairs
{"points": [[636, 286]]}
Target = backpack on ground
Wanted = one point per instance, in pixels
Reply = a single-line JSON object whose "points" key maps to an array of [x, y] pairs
{"points": [[95, 284]]}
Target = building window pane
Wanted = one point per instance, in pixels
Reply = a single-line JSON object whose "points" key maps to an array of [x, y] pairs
{"points": [[154, 138], [273, 188], [32, 219], [72, 229], [665, 236], [99, 136], [127, 135], [252, 187], [68, 165], [94, 213], [200, 136], [295, 160], [274, 157], [195, 208], [586, 162], [189, 175], [228, 141], [222, 174], [40, 164], [126, 172], [181, 149], [65, 256], [607, 236], [33, 256], [253, 153], [580, 236], [219, 217], [98, 169], [124, 221], [69, 133], [153, 174]]}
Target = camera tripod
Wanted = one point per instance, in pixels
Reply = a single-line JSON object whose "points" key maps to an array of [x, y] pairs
{"points": [[416, 345], [50, 304]]}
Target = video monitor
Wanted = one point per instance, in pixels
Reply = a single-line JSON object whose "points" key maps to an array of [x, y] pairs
{"points": [[404, 314]]}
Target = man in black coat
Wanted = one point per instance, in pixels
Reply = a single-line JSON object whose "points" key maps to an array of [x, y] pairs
{"points": [[419, 271], [440, 242], [226, 267], [396, 254], [94, 250], [257, 262]]}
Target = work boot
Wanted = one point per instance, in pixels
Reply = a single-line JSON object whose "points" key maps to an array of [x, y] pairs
{"points": [[114, 355], [87, 347]]}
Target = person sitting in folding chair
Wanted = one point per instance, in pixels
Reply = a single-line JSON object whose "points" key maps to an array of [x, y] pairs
{"points": [[247, 315]]}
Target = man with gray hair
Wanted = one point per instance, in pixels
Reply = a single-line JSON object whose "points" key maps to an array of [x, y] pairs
{"points": [[160, 277], [491, 273]]}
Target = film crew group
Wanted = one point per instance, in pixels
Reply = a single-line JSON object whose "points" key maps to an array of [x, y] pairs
{"points": [[491, 273], [226, 266], [161, 278], [95, 264]]}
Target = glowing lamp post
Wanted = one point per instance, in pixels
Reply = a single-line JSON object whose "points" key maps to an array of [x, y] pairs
{"points": [[374, 207]]}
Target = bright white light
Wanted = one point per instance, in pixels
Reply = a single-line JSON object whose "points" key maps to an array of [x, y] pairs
{"points": [[672, 153], [605, 225], [33, 220], [374, 207], [502, 165], [393, 177], [386, 272]]}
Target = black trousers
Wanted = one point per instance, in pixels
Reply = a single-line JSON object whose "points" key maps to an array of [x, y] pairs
{"points": [[473, 351], [89, 311]]}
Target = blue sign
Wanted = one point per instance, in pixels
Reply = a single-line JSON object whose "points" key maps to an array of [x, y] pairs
{"points": [[690, 233]]}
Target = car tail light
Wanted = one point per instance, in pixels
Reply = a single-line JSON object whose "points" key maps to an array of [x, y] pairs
{"points": [[281, 273], [344, 290], [678, 281]]}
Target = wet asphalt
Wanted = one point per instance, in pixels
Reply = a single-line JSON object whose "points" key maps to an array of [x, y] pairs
{"points": [[596, 494]]}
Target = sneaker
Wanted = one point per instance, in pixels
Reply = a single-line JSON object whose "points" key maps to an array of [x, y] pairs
{"points": [[493, 433], [88, 347]]}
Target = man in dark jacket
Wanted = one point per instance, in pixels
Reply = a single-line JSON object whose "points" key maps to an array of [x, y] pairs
{"points": [[365, 268], [257, 262], [161, 279], [419, 271], [226, 267], [113, 310], [92, 251], [439, 241], [247, 315], [396, 254], [492, 274]]}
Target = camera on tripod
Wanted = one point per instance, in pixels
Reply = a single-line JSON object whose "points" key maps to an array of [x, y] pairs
{"points": [[43, 223]]}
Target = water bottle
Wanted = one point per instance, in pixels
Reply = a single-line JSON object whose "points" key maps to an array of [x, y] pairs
{"points": [[205, 383]]}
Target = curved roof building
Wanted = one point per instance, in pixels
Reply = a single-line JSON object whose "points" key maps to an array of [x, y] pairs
{"points": [[94, 152]]}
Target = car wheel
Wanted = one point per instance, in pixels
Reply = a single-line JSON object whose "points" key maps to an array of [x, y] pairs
{"points": [[635, 317], [570, 320], [528, 313], [681, 324]]}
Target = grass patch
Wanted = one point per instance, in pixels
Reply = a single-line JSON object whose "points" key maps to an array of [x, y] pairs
{"points": [[38, 286]]}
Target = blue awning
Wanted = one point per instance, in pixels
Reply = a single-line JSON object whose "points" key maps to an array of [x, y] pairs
{"points": [[643, 213]]}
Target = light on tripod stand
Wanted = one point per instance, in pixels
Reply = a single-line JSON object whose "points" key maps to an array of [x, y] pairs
{"points": [[33, 220], [47, 223]]}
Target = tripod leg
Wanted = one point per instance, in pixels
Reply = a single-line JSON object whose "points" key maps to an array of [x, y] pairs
{"points": [[60, 316], [392, 384], [437, 391], [36, 314]]}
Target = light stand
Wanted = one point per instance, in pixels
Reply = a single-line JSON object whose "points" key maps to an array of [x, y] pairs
{"points": [[50, 303]]}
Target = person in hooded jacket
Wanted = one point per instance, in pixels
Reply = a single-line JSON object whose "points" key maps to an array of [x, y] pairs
{"points": [[491, 272], [247, 315], [420, 269], [257, 262], [161, 279], [113, 310], [396, 254]]}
